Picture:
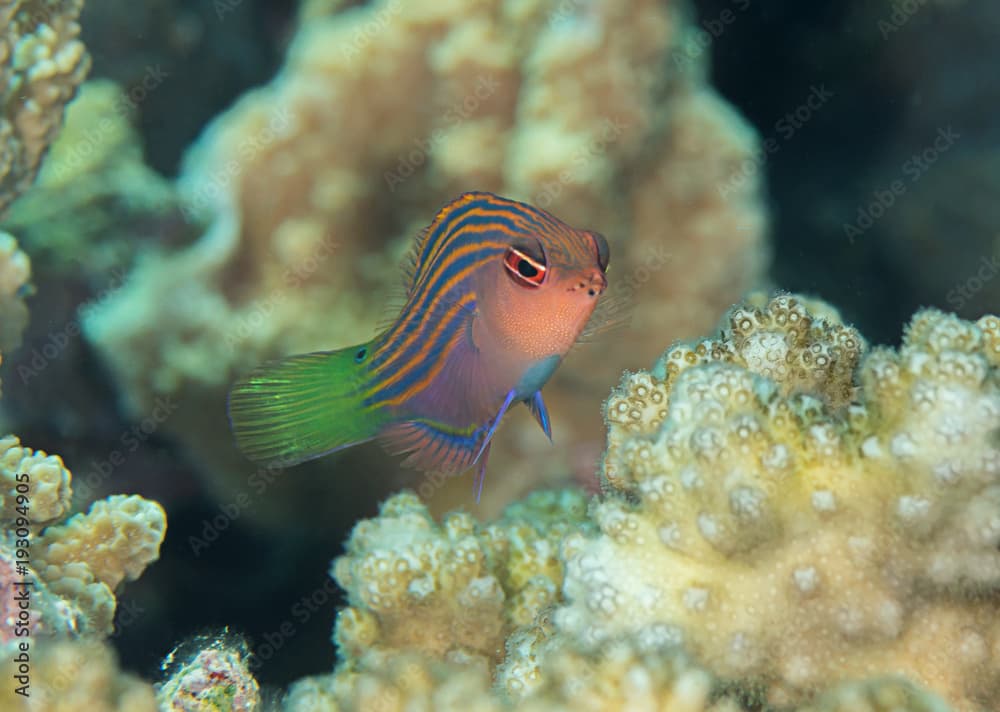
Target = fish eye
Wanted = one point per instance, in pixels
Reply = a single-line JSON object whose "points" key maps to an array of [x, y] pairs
{"points": [[524, 269], [603, 251]]}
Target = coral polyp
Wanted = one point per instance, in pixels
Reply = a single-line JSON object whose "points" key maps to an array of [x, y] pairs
{"points": [[787, 515], [789, 524]]}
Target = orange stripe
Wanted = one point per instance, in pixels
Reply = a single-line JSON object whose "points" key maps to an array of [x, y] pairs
{"points": [[417, 333], [415, 310], [481, 212], [442, 241], [420, 356], [429, 270]]}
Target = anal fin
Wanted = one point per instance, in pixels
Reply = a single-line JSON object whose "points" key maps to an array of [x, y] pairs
{"points": [[432, 447], [435, 447]]}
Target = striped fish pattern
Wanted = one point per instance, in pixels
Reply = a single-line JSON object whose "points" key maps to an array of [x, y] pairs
{"points": [[498, 292]]}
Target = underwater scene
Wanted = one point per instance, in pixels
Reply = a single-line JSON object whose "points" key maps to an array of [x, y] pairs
{"points": [[499, 355]]}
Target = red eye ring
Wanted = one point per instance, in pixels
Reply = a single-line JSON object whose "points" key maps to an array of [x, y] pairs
{"points": [[524, 269]]}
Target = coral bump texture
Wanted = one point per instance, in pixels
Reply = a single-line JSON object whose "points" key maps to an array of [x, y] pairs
{"points": [[781, 532], [41, 65], [789, 519]]}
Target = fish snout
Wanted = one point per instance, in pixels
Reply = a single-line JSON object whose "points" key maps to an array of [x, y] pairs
{"points": [[594, 282]]}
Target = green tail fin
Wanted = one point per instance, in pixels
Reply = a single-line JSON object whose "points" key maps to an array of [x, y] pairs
{"points": [[302, 407]]}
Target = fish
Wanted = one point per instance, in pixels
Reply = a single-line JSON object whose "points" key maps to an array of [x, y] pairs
{"points": [[497, 293]]}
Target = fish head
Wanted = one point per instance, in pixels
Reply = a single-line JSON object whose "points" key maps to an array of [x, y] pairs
{"points": [[544, 289]]}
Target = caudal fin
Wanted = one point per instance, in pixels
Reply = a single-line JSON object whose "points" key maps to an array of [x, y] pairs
{"points": [[302, 407]]}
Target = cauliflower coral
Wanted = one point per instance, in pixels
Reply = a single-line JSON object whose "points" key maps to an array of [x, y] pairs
{"points": [[790, 519], [788, 525]]}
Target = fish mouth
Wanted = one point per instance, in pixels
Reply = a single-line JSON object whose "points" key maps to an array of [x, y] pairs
{"points": [[595, 283], [597, 289]]}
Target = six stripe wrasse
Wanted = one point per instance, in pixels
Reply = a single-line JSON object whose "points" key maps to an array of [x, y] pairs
{"points": [[498, 293]]}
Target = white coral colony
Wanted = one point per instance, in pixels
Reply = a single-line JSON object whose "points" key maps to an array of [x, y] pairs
{"points": [[835, 530]]}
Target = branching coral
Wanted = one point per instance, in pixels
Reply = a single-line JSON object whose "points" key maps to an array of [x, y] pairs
{"points": [[41, 65], [403, 682], [782, 538], [15, 271], [433, 606], [788, 521], [308, 211], [48, 614], [416, 586], [47, 486], [619, 678], [94, 200], [83, 560], [75, 675], [74, 568], [883, 695], [453, 590]]}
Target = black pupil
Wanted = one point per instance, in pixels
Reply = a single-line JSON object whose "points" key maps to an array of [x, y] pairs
{"points": [[360, 355], [526, 269]]}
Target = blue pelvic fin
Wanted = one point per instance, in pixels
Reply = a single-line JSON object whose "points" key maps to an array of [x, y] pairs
{"points": [[537, 407], [484, 450], [481, 472]]}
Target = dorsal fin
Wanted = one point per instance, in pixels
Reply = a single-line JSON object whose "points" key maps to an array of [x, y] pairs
{"points": [[399, 293], [410, 261]]}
